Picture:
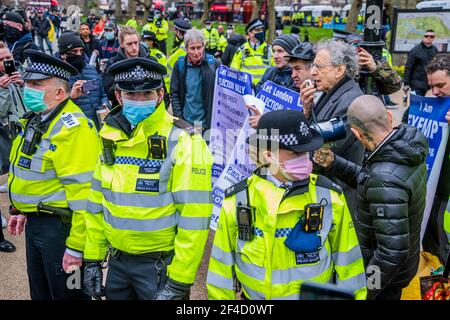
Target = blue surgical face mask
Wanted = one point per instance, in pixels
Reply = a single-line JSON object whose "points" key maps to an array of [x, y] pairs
{"points": [[34, 99], [109, 35], [137, 111]]}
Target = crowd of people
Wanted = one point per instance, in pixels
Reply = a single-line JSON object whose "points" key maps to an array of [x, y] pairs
{"points": [[133, 189]]}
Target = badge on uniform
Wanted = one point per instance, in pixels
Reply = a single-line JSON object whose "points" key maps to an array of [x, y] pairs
{"points": [[149, 170], [147, 185], [307, 257], [24, 162]]}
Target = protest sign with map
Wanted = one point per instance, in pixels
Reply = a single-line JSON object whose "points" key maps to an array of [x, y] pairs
{"points": [[410, 25]]}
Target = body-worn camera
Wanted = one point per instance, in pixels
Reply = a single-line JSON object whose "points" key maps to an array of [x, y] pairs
{"points": [[313, 217], [331, 130], [31, 138], [108, 151], [245, 222], [157, 147]]}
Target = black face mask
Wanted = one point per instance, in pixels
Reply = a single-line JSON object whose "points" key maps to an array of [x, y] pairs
{"points": [[12, 34], [76, 61]]}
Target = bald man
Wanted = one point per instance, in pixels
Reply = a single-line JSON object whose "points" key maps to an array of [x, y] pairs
{"points": [[391, 188]]}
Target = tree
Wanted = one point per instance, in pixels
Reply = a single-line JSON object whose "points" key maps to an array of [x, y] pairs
{"points": [[206, 8], [257, 6], [352, 20], [272, 20], [131, 8], [118, 10], [147, 6]]}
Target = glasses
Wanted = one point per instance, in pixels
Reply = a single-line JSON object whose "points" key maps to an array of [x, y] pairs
{"points": [[428, 36], [321, 66]]}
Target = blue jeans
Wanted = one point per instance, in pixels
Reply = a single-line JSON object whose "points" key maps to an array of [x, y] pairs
{"points": [[41, 43]]}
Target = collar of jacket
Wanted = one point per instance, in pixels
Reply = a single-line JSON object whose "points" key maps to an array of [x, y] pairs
{"points": [[296, 188], [143, 52], [117, 128], [335, 93], [45, 123], [382, 143]]}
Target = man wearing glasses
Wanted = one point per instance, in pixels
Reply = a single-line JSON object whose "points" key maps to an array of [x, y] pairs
{"points": [[415, 76]]}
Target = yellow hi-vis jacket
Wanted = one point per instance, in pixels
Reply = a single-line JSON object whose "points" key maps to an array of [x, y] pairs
{"points": [[161, 58], [447, 220], [179, 52], [211, 38], [222, 43], [162, 33], [265, 267], [252, 61], [59, 173], [141, 205]]}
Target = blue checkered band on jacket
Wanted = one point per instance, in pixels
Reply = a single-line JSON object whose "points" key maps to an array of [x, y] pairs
{"points": [[139, 162], [279, 233], [137, 74], [48, 69], [286, 139]]}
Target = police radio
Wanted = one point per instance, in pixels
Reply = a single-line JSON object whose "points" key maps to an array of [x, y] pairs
{"points": [[31, 137], [245, 222], [314, 216], [108, 151], [157, 146]]}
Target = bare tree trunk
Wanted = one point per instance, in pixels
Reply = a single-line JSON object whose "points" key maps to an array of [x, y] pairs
{"points": [[147, 7], [257, 6], [131, 8], [118, 10], [272, 20], [389, 4], [352, 20], [85, 7], [206, 8]]}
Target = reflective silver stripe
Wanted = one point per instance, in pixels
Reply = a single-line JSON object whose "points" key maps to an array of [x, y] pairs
{"points": [[192, 196], [219, 281], [166, 168], [252, 294], [96, 185], [94, 208], [304, 272], [354, 283], [249, 269], [137, 199], [291, 297], [141, 225], [32, 175], [194, 223], [77, 178], [346, 258], [226, 258], [34, 200], [78, 205], [36, 162]]}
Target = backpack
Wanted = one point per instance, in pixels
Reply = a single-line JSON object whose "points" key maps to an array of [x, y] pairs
{"points": [[211, 62]]}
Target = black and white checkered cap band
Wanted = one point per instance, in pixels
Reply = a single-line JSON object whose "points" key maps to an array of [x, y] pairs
{"points": [[48, 69], [137, 74], [286, 139]]}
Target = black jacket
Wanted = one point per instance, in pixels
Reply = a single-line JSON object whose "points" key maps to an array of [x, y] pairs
{"points": [[178, 88], [26, 42], [391, 190], [90, 46], [282, 77], [415, 75], [234, 42], [42, 26]]}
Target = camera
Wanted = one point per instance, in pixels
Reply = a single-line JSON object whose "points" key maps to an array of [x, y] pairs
{"points": [[89, 85], [331, 130]]}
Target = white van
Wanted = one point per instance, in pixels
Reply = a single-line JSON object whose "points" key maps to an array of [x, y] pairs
{"points": [[318, 11], [433, 5], [346, 9]]}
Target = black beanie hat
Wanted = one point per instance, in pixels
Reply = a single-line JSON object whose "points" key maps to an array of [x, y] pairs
{"points": [[287, 42], [14, 17], [69, 40]]}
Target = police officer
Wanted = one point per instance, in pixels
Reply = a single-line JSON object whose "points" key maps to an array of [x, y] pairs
{"points": [[255, 55], [53, 159], [284, 225], [160, 27], [151, 194], [211, 36], [151, 42], [180, 27]]}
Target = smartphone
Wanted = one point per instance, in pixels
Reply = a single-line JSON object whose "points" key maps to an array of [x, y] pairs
{"points": [[10, 66], [89, 85], [310, 83]]}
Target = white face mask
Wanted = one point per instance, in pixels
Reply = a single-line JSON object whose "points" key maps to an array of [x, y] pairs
{"points": [[229, 32]]}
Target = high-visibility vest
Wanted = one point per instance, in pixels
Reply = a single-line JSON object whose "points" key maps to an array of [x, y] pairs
{"points": [[265, 267], [252, 61], [133, 23], [141, 204], [59, 173], [447, 221], [162, 32], [211, 38], [161, 58], [180, 52], [386, 55], [222, 43]]}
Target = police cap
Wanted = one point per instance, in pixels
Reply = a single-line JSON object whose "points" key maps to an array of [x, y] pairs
{"points": [[289, 128], [182, 25], [340, 34], [148, 35], [137, 74], [256, 23], [42, 66]]}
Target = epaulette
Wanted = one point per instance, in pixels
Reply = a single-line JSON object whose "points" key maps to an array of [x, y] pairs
{"points": [[238, 187], [327, 183], [186, 126]]}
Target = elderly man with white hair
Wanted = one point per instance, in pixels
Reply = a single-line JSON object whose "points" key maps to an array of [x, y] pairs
{"points": [[333, 72], [192, 82]]}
